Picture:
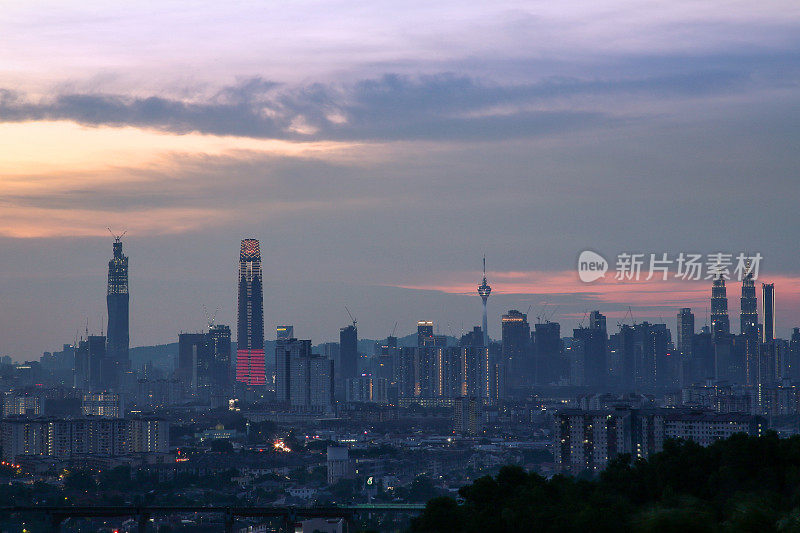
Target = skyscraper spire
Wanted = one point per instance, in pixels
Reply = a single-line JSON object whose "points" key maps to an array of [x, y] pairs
{"points": [[748, 319], [250, 368], [720, 322], [484, 290]]}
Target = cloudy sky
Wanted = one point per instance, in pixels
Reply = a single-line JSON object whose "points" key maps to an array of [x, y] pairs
{"points": [[378, 149]]}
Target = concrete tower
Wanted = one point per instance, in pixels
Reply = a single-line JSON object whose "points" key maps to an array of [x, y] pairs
{"points": [[484, 290]]}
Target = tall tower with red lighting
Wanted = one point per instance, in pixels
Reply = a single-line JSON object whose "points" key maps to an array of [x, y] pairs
{"points": [[250, 326]]}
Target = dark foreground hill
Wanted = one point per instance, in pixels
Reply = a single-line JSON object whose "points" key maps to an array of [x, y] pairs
{"points": [[743, 484]]}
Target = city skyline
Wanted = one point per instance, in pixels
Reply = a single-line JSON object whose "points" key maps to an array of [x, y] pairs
{"points": [[249, 250]]}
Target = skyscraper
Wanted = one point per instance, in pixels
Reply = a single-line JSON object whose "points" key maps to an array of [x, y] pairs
{"points": [[219, 339], [588, 366], [685, 331], [117, 301], [484, 290], [250, 368], [768, 300], [194, 362], [547, 352], [348, 353], [720, 322], [516, 347], [424, 332], [303, 381], [748, 319]]}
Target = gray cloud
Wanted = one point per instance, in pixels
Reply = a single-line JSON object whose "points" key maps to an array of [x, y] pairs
{"points": [[391, 107]]}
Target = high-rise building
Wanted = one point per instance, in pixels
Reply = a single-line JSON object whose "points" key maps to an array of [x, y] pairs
{"points": [[90, 363], [484, 290], [748, 318], [117, 301], [348, 353], [219, 341], [285, 351], [516, 338], [597, 320], [105, 404], [424, 333], [250, 368], [284, 332], [768, 301], [720, 322], [194, 363], [466, 416], [548, 364], [794, 355], [303, 381], [685, 331], [588, 365]]}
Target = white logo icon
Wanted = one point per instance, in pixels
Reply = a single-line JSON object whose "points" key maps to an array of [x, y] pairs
{"points": [[591, 266]]}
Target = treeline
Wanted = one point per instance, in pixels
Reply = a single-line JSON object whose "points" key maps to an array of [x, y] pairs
{"points": [[742, 484]]}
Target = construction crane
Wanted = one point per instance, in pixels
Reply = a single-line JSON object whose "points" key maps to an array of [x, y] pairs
{"points": [[583, 320], [117, 237], [210, 319], [628, 314], [351, 316]]}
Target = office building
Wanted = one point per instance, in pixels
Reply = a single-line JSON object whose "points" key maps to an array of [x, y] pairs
{"points": [[250, 368], [548, 361], [195, 363], [303, 381], [768, 302], [516, 352], [685, 331], [588, 357], [90, 361], [219, 345]]}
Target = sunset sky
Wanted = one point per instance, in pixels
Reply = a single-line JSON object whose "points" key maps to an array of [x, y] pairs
{"points": [[379, 149]]}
